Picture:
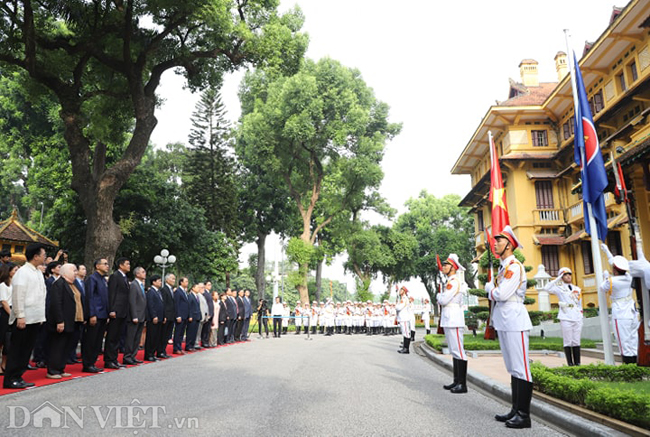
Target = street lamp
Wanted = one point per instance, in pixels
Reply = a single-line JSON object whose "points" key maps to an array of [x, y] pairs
{"points": [[542, 278], [276, 278], [164, 260]]}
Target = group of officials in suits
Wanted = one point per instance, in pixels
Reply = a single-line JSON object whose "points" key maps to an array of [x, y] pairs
{"points": [[62, 306]]}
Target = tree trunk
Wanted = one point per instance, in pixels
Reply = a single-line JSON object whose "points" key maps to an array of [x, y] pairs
{"points": [[261, 261], [103, 235], [303, 291], [227, 279], [319, 279]]}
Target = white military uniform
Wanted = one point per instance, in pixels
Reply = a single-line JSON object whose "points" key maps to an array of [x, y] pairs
{"points": [[510, 317], [625, 318], [426, 316], [404, 316], [570, 314], [286, 313], [452, 318], [298, 313]]}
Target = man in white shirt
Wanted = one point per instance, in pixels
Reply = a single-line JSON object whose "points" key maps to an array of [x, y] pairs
{"points": [[28, 308]]}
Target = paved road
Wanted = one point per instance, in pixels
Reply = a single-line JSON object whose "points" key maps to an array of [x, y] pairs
{"points": [[330, 386]]}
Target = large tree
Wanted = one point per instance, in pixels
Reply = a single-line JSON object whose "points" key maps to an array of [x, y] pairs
{"points": [[441, 227], [103, 60], [323, 132]]}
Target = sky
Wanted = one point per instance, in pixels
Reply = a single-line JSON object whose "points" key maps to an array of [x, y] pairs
{"points": [[438, 65]]}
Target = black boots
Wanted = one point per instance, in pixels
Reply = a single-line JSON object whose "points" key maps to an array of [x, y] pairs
{"points": [[453, 384], [513, 410], [405, 347], [313, 330], [297, 330], [428, 331], [521, 419], [568, 351], [576, 355], [628, 360], [461, 387], [412, 335]]}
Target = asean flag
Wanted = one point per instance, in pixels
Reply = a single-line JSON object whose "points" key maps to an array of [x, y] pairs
{"points": [[594, 175]]}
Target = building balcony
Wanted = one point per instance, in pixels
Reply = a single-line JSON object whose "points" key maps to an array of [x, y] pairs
{"points": [[548, 217], [575, 211]]}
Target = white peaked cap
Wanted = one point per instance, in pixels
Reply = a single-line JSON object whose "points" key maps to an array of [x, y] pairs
{"points": [[454, 261], [563, 271], [621, 263], [508, 233]]}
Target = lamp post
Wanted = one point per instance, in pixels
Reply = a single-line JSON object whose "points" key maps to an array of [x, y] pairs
{"points": [[275, 277], [164, 260], [542, 278]]}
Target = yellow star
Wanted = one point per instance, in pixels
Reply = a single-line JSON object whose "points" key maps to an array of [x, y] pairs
{"points": [[497, 197]]}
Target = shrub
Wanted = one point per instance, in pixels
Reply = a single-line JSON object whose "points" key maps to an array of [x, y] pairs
{"points": [[483, 315], [478, 309], [578, 385]]}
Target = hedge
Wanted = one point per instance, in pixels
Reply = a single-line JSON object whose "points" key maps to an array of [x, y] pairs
{"points": [[479, 344], [577, 385]]}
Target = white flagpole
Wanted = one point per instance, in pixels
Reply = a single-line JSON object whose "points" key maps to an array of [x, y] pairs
{"points": [[595, 250]]}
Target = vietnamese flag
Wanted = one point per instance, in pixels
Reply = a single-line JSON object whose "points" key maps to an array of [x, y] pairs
{"points": [[500, 217]]}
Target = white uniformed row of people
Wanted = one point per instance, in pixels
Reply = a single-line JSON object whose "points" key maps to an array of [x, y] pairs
{"points": [[352, 317]]}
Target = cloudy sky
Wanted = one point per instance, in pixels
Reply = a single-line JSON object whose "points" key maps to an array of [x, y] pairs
{"points": [[439, 65]]}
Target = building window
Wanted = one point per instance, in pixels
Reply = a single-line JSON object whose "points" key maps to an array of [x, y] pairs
{"points": [[614, 242], [479, 221], [6, 247], [18, 248], [572, 124], [633, 73], [544, 194], [550, 259], [621, 82], [566, 130], [597, 100], [587, 260], [540, 138]]}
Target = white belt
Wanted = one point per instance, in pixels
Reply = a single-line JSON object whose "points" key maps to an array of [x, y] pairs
{"points": [[622, 299], [513, 298], [452, 305]]}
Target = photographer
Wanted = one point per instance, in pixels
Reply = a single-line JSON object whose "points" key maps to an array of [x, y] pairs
{"points": [[262, 312]]}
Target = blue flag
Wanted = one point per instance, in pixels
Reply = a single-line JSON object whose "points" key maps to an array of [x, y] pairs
{"points": [[594, 176]]}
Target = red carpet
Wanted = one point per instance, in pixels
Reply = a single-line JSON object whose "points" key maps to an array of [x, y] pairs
{"points": [[38, 376]]}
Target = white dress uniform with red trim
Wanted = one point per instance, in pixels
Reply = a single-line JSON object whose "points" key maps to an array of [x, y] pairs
{"points": [[625, 318], [452, 318], [510, 317], [404, 315], [570, 303], [298, 313]]}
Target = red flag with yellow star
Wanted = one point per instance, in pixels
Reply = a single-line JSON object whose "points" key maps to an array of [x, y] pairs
{"points": [[500, 218]]}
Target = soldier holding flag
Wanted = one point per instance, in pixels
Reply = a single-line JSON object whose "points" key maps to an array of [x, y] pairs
{"points": [[513, 326]]}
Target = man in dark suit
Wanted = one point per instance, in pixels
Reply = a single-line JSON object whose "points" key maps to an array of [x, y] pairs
{"points": [[248, 313], [241, 311], [96, 312], [207, 326], [182, 306], [155, 316], [118, 309], [168, 321], [80, 284], [195, 318], [41, 349], [137, 316], [231, 309]]}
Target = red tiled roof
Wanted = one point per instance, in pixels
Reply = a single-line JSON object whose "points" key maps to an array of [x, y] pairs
{"points": [[535, 96], [12, 230]]}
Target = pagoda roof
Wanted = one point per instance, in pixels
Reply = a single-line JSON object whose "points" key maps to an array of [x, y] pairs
{"points": [[12, 229]]}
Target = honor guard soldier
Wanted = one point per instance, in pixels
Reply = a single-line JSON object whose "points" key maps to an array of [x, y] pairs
{"points": [[298, 319], [404, 319], [426, 316], [513, 325], [625, 318], [570, 315], [453, 321]]}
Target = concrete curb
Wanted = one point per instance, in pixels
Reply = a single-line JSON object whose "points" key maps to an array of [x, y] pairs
{"points": [[567, 421]]}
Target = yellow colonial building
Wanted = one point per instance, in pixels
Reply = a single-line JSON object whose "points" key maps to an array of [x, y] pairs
{"points": [[533, 131]]}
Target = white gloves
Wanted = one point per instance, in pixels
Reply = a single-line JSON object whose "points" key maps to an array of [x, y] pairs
{"points": [[489, 286], [605, 274], [605, 249]]}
